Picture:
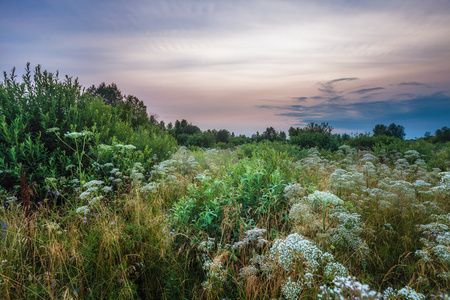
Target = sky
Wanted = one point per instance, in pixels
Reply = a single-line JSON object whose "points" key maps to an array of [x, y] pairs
{"points": [[248, 65]]}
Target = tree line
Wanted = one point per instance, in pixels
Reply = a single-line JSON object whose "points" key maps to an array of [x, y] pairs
{"points": [[311, 135]]}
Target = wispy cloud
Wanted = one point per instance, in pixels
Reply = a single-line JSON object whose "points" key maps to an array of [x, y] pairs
{"points": [[365, 91], [299, 99], [329, 86], [413, 83]]}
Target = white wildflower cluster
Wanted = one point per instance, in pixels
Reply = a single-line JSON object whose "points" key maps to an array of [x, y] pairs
{"points": [[347, 288], [296, 249], [443, 188], [248, 271], [437, 241], [253, 237], [369, 157], [346, 150], [400, 188], [125, 147], [136, 174], [11, 199], [206, 246], [92, 194], [95, 201], [314, 164], [52, 225], [151, 187], [297, 252], [412, 155], [404, 293], [215, 271], [165, 168], [93, 183], [263, 263], [294, 192], [169, 171], [291, 289], [301, 214], [215, 274], [76, 135], [334, 269], [383, 198], [83, 210], [342, 181], [319, 198], [88, 193], [421, 185], [348, 232]]}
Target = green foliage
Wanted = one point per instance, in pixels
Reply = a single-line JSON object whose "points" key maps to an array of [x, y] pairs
{"points": [[37, 113], [368, 142], [270, 219], [314, 136], [394, 130], [443, 134]]}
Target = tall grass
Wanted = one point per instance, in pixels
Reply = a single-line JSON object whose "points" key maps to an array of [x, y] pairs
{"points": [[250, 223]]}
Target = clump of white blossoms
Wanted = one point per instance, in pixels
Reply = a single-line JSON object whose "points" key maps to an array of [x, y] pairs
{"points": [[291, 289], [404, 293], [248, 271], [76, 135], [82, 210], [215, 273], [253, 237], [320, 199], [347, 233], [437, 240], [347, 288], [293, 192], [136, 174], [342, 181], [301, 214]]}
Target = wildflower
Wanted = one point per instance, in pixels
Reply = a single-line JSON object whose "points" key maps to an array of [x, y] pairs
{"points": [[95, 200], [11, 199], [75, 135], [82, 210], [53, 129], [291, 289], [294, 191], [93, 183], [326, 198], [106, 189], [248, 271], [409, 293], [334, 269], [254, 236]]}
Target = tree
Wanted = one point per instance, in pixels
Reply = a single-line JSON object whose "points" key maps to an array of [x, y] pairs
{"points": [[223, 136], [110, 94], [396, 131], [270, 134], [380, 129], [133, 110], [443, 134]]}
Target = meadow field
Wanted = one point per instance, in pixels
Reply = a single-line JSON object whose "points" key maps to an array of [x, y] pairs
{"points": [[98, 202], [251, 223]]}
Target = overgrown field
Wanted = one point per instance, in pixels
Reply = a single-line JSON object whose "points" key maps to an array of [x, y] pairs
{"points": [[251, 223], [98, 201]]}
